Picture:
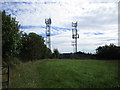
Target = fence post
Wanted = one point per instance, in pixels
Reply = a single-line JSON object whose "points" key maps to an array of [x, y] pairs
{"points": [[6, 82]]}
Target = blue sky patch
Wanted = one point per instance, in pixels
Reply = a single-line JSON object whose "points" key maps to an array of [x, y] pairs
{"points": [[52, 27], [12, 3], [89, 33], [110, 39], [31, 27], [59, 28]]}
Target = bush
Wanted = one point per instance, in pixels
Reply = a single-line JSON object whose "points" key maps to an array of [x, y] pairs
{"points": [[12, 61]]}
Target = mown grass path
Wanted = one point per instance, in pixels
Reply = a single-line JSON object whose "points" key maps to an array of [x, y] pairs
{"points": [[65, 74]]}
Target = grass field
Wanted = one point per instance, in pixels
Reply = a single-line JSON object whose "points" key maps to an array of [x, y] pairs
{"points": [[65, 74]]}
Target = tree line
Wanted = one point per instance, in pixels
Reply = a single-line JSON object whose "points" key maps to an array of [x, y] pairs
{"points": [[26, 47]]}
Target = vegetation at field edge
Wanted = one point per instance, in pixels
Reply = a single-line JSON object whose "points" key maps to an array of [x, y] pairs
{"points": [[65, 74]]}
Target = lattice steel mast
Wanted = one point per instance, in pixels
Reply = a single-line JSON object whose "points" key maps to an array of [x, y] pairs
{"points": [[48, 41], [75, 35]]}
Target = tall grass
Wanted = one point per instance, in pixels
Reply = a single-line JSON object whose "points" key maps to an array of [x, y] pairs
{"points": [[65, 74]]}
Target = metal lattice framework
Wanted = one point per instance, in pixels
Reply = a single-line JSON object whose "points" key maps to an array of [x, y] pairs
{"points": [[48, 41], [75, 35]]}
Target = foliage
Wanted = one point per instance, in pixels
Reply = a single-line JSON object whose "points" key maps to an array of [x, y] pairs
{"points": [[34, 47], [48, 54], [11, 41], [56, 53], [108, 52]]}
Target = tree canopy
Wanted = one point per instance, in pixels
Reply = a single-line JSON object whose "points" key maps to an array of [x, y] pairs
{"points": [[108, 52], [33, 47], [11, 36], [56, 53]]}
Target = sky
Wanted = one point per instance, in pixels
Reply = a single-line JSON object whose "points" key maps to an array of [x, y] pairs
{"points": [[97, 21]]}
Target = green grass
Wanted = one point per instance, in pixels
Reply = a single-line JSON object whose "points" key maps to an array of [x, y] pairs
{"points": [[65, 74]]}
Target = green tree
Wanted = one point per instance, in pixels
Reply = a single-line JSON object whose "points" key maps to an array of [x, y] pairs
{"points": [[56, 53], [33, 47], [11, 36], [108, 52], [48, 54]]}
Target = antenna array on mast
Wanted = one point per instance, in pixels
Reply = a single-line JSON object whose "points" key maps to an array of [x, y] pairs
{"points": [[48, 41]]}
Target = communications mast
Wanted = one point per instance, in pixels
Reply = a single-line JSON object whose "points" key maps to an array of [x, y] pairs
{"points": [[75, 35], [48, 41]]}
